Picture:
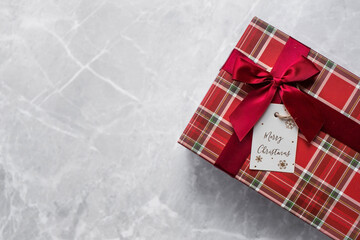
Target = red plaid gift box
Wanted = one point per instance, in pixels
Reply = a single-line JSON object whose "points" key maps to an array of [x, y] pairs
{"points": [[324, 190]]}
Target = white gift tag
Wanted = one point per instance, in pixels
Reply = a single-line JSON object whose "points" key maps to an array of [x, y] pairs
{"points": [[274, 141]]}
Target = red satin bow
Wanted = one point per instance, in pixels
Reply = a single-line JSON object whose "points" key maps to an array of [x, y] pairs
{"points": [[309, 114], [299, 105]]}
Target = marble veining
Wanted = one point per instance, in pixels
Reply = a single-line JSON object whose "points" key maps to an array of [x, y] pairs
{"points": [[94, 95]]}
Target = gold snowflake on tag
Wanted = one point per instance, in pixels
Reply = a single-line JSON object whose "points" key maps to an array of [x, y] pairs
{"points": [[282, 164], [289, 124], [258, 158]]}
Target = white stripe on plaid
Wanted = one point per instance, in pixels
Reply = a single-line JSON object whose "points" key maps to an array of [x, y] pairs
{"points": [[283, 204], [348, 102], [344, 78], [258, 62], [252, 24], [340, 193], [203, 104], [264, 47], [203, 132], [299, 180], [353, 227], [331, 71], [240, 178], [222, 115], [200, 154], [227, 90], [221, 118], [323, 182], [273, 36], [328, 152], [317, 93]]}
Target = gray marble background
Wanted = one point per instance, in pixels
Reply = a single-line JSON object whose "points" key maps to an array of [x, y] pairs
{"points": [[94, 95]]}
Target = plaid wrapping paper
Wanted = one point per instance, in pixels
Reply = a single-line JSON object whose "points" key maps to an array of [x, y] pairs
{"points": [[324, 190]]}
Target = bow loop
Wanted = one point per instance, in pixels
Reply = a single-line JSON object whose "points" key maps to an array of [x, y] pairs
{"points": [[246, 71], [302, 69]]}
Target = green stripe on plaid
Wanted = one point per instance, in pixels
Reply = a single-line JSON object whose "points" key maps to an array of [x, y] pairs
{"points": [[345, 113], [256, 184], [330, 66], [197, 147], [233, 90], [317, 222], [336, 194], [312, 94], [354, 164], [325, 146], [215, 119], [270, 30], [253, 58], [306, 176], [287, 204], [348, 238]]}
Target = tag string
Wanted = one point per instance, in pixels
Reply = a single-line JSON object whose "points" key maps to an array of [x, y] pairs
{"points": [[282, 117]]}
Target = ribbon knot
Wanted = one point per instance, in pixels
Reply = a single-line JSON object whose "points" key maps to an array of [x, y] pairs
{"points": [[277, 82]]}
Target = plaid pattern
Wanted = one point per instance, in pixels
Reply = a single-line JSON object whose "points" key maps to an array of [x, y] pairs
{"points": [[324, 190]]}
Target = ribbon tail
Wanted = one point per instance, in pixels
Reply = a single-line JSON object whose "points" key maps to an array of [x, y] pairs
{"points": [[230, 62], [303, 110], [244, 70], [245, 116], [234, 154], [340, 127]]}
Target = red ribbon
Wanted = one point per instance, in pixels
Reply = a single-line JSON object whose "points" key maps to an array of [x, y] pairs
{"points": [[278, 86]]}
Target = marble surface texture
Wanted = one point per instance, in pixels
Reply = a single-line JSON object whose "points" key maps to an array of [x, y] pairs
{"points": [[94, 95]]}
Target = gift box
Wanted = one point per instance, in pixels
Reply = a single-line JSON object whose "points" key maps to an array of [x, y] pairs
{"points": [[324, 189]]}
